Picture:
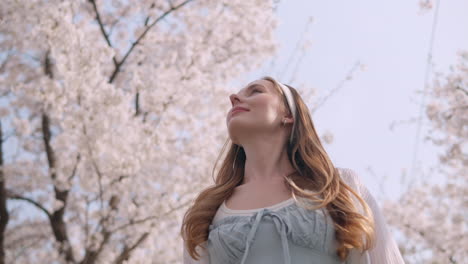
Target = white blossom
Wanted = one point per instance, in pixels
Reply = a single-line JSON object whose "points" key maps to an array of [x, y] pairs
{"points": [[98, 144], [432, 216]]}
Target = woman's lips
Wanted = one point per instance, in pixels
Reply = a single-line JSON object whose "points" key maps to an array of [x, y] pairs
{"points": [[238, 110]]}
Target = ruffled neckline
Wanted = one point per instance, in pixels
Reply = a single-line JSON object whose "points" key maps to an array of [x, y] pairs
{"points": [[274, 207]]}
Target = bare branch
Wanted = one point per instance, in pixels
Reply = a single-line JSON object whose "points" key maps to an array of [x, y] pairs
{"points": [[338, 87]]}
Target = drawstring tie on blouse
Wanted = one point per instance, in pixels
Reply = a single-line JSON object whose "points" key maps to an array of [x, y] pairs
{"points": [[280, 227]]}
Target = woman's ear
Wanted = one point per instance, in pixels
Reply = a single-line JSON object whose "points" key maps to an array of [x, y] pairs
{"points": [[288, 119]]}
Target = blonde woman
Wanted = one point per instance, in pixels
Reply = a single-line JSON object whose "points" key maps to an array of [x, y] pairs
{"points": [[277, 196]]}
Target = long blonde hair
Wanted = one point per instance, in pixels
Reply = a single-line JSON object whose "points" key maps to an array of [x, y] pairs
{"points": [[315, 178]]}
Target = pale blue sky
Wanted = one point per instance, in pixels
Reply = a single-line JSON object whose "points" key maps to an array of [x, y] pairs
{"points": [[392, 39]]}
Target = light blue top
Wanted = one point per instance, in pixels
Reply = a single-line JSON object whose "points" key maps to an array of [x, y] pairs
{"points": [[289, 235]]}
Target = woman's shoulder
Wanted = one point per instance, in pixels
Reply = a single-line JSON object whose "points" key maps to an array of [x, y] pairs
{"points": [[350, 177]]}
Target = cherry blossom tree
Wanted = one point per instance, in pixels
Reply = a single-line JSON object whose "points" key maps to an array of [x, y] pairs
{"points": [[433, 216], [109, 114]]}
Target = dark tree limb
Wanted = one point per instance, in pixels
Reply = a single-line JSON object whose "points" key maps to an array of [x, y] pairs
{"points": [[134, 44], [70, 178], [12, 195], [4, 216], [125, 254], [461, 89], [92, 255], [101, 27], [56, 219]]}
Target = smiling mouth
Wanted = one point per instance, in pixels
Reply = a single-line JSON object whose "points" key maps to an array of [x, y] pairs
{"points": [[238, 110]]}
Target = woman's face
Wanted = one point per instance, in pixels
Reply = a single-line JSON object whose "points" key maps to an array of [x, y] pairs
{"points": [[262, 110]]}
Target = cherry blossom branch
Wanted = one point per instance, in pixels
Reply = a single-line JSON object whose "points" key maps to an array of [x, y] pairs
{"points": [[137, 103], [461, 89], [4, 215], [125, 254], [86, 222], [453, 110], [96, 168], [73, 174], [119, 64], [148, 17], [4, 63], [92, 255], [56, 218], [101, 27], [422, 234], [115, 181], [25, 242], [57, 221], [11, 195], [148, 218]]}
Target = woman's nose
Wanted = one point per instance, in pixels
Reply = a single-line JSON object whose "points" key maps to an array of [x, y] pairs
{"points": [[233, 97]]}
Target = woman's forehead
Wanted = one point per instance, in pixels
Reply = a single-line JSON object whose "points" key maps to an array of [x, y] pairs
{"points": [[265, 83]]}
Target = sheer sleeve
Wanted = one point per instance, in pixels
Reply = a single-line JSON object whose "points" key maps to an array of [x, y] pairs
{"points": [[385, 250], [204, 259]]}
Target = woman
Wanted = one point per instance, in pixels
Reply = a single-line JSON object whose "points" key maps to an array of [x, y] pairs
{"points": [[278, 198]]}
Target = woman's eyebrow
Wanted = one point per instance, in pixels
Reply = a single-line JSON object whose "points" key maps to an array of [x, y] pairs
{"points": [[252, 86]]}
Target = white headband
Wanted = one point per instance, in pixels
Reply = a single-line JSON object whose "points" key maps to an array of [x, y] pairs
{"points": [[291, 104]]}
